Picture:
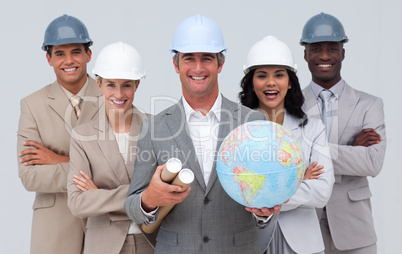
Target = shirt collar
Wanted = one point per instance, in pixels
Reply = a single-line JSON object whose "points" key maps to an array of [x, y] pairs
{"points": [[215, 110], [337, 89], [81, 93]]}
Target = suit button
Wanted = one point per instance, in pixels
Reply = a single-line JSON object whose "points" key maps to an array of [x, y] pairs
{"points": [[206, 201], [205, 239]]}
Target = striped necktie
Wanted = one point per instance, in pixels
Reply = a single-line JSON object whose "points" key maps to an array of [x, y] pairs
{"points": [[75, 102]]}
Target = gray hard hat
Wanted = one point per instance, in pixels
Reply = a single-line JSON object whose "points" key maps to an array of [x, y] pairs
{"points": [[64, 30], [323, 27]]}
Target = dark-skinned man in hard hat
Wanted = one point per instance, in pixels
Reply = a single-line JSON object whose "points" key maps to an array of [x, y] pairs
{"points": [[355, 127]]}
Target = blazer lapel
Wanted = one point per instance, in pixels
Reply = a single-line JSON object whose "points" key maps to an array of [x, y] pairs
{"points": [[346, 105], [229, 111], [177, 124], [292, 124], [91, 103], [108, 145], [310, 106], [135, 128], [59, 102]]}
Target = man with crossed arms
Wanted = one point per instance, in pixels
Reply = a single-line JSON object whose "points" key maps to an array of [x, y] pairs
{"points": [[356, 132], [47, 118]]}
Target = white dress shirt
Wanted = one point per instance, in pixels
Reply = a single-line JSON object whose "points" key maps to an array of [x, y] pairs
{"points": [[204, 134], [122, 142]]}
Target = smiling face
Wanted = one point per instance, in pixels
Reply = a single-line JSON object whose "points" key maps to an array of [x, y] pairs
{"points": [[271, 85], [325, 62], [118, 94], [198, 75], [69, 62]]}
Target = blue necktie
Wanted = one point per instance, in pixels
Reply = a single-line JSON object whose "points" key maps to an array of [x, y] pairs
{"points": [[326, 113]]}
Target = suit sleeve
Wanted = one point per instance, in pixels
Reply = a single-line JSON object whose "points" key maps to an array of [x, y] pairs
{"points": [[315, 192], [145, 166], [91, 202], [360, 160], [39, 178]]}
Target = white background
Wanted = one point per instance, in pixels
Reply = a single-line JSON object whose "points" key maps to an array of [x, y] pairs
{"points": [[373, 64]]}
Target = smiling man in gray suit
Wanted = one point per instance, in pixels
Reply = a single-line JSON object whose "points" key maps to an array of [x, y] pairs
{"points": [[205, 219], [356, 131]]}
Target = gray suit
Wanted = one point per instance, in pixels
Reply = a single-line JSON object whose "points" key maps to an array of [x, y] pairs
{"points": [[349, 208], [208, 220]]}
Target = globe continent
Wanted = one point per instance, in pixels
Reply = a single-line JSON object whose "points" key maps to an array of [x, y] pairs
{"points": [[260, 164]]}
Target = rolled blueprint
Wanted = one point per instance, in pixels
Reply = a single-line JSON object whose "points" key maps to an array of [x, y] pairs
{"points": [[183, 179], [171, 169]]}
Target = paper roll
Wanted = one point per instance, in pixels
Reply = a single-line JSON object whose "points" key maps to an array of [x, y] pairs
{"points": [[183, 179], [172, 167]]}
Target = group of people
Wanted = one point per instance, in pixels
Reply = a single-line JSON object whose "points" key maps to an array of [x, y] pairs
{"points": [[95, 160]]}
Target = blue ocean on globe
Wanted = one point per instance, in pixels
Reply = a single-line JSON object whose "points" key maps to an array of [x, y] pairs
{"points": [[260, 164]]}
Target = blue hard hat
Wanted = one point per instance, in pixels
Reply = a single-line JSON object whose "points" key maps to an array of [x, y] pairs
{"points": [[64, 30], [198, 34], [323, 27]]}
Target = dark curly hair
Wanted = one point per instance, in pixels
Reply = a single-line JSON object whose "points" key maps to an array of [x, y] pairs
{"points": [[294, 98]]}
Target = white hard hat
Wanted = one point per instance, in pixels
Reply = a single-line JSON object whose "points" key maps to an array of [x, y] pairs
{"points": [[119, 61], [270, 51]]}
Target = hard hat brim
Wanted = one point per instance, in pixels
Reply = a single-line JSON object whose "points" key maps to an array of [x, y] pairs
{"points": [[64, 42], [322, 39], [197, 49], [128, 76], [253, 67]]}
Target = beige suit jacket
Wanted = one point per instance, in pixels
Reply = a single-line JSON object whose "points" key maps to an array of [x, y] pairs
{"points": [[349, 208], [47, 117], [94, 150]]}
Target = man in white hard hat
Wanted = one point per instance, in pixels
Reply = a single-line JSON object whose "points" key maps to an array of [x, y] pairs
{"points": [[356, 132], [47, 117], [205, 219]]}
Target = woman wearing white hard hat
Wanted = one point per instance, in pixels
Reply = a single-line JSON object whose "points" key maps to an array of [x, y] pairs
{"points": [[102, 155], [270, 85]]}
